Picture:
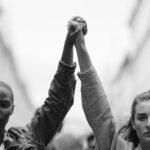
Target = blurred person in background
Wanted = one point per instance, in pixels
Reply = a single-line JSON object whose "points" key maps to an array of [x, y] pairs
{"points": [[91, 142], [98, 112], [48, 118]]}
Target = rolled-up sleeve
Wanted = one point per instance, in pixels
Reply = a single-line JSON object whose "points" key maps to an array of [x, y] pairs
{"points": [[60, 98], [97, 110]]}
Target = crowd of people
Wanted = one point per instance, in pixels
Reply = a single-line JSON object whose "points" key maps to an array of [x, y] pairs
{"points": [[43, 127]]}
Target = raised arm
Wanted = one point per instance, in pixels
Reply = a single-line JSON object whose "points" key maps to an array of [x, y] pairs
{"points": [[94, 99], [49, 117], [67, 55]]}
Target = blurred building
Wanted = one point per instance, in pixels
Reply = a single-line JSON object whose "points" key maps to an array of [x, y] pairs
{"points": [[133, 77], [8, 73]]}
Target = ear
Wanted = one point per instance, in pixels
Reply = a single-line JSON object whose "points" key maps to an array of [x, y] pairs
{"points": [[133, 124], [12, 110]]}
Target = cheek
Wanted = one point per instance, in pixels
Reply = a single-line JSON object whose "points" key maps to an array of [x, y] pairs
{"points": [[139, 127], [5, 113]]}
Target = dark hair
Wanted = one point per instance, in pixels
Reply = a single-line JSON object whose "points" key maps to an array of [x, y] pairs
{"points": [[3, 84], [127, 130]]}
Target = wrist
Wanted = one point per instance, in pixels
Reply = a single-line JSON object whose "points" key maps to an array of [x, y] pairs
{"points": [[68, 43], [80, 45], [70, 39]]}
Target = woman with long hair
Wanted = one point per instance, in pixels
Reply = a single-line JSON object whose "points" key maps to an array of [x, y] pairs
{"points": [[97, 108]]}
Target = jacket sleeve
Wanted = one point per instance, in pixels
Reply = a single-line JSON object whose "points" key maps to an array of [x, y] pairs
{"points": [[97, 111], [60, 98]]}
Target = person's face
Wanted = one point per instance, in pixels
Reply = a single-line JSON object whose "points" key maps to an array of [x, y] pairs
{"points": [[141, 122], [6, 106]]}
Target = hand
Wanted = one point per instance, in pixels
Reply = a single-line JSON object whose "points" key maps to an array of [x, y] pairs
{"points": [[77, 24], [71, 35], [80, 40]]}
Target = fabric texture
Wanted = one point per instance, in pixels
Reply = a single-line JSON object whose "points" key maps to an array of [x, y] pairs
{"points": [[46, 121], [98, 113]]}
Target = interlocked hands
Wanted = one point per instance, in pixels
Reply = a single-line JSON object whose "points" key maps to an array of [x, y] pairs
{"points": [[77, 24]]}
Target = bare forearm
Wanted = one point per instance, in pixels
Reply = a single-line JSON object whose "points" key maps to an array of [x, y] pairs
{"points": [[83, 56], [67, 55]]}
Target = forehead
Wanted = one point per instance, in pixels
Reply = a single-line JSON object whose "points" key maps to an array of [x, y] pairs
{"points": [[143, 107], [5, 93]]}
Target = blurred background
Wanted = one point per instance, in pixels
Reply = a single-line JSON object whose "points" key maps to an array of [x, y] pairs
{"points": [[32, 34]]}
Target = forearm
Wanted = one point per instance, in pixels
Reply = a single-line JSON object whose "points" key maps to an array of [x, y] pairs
{"points": [[94, 99], [67, 55], [83, 55]]}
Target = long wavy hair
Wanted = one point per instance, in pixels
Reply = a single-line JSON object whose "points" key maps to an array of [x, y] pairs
{"points": [[127, 131]]}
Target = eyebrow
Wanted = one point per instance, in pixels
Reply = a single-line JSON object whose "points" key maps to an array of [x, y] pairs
{"points": [[141, 113], [4, 100], [4, 96]]}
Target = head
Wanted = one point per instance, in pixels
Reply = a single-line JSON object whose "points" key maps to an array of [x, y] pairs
{"points": [[138, 127], [6, 104], [91, 142]]}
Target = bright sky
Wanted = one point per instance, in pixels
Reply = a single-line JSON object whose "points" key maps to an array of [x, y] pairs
{"points": [[38, 30]]}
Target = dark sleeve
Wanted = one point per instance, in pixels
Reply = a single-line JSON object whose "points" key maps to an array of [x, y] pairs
{"points": [[60, 98]]}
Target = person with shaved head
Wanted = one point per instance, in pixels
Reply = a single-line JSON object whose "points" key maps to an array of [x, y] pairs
{"points": [[48, 118]]}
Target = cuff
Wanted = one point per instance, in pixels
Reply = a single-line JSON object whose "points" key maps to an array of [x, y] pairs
{"points": [[83, 76], [66, 68]]}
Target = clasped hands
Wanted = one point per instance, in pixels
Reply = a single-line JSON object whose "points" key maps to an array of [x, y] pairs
{"points": [[77, 24]]}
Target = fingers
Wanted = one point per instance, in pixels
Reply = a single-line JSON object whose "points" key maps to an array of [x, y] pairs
{"points": [[72, 23], [77, 24], [82, 23], [78, 19]]}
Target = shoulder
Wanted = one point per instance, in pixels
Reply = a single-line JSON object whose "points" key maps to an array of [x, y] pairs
{"points": [[18, 138], [19, 132]]}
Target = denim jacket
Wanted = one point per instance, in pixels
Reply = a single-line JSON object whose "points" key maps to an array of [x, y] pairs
{"points": [[45, 123], [99, 115]]}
